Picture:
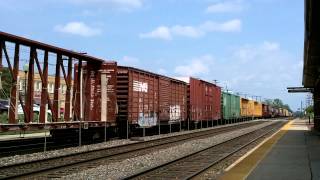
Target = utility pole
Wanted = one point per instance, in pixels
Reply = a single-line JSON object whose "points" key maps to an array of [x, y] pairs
{"points": [[301, 110], [215, 81]]}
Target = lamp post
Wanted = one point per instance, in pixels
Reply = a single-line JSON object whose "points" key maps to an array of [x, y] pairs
{"points": [[25, 69]]}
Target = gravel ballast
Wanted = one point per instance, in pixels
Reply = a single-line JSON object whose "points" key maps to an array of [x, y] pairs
{"points": [[119, 170], [72, 150], [61, 152]]}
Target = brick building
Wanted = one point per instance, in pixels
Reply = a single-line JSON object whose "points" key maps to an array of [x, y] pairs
{"points": [[23, 77]]}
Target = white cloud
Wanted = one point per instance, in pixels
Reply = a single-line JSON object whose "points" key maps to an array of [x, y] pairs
{"points": [[161, 32], [187, 31], [261, 69], [228, 26], [167, 33], [126, 5], [78, 28], [248, 53], [197, 66], [225, 7]]}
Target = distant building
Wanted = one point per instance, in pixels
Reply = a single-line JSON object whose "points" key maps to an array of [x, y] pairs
{"points": [[38, 87]]}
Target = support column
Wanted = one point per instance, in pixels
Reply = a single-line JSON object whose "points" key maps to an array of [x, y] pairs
{"points": [[14, 90], [56, 105], [67, 107], [30, 86], [44, 93]]}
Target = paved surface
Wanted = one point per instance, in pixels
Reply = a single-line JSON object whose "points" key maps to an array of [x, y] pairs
{"points": [[292, 154]]}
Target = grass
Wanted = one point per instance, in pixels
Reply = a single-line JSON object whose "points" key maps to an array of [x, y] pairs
{"points": [[4, 120]]}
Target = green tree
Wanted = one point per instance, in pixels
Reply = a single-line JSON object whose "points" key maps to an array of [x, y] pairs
{"points": [[309, 110], [278, 103], [6, 80], [268, 102], [286, 106]]}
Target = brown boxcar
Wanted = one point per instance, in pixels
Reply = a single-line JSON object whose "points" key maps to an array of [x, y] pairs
{"points": [[204, 100], [99, 100], [147, 99], [266, 111]]}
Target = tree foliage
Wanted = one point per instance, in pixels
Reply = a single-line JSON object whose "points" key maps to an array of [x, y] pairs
{"points": [[6, 80], [309, 110], [277, 103]]}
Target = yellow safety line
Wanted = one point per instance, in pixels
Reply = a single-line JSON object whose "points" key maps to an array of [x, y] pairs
{"points": [[249, 163]]}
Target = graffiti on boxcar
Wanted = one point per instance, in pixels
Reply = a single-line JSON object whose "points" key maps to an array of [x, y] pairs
{"points": [[175, 113], [147, 119], [140, 86]]}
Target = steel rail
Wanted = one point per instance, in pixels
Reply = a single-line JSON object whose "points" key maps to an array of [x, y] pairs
{"points": [[150, 170]]}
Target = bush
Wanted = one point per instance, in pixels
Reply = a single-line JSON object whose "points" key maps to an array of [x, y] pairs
{"points": [[4, 119]]}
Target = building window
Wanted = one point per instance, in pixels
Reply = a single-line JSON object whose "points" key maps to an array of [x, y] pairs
{"points": [[39, 86], [52, 88], [21, 87], [63, 89]]}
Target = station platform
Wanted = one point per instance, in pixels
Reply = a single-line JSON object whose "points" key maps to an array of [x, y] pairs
{"points": [[293, 153]]}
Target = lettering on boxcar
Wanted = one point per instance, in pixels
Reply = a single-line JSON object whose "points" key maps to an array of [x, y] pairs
{"points": [[140, 86], [92, 87]]}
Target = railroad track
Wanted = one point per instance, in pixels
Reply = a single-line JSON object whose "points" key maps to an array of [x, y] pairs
{"points": [[194, 164], [33, 145], [60, 166], [23, 146]]}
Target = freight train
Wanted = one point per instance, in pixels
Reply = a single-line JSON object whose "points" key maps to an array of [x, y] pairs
{"points": [[129, 98], [101, 96]]}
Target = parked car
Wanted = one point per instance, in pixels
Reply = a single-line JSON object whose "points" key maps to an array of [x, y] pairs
{"points": [[4, 106], [36, 109]]}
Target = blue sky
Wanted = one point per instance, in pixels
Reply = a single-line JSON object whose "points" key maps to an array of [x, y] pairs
{"points": [[249, 46]]}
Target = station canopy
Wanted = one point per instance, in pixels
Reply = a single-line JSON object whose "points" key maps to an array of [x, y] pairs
{"points": [[311, 67]]}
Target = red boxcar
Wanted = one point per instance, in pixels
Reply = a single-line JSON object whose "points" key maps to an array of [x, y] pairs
{"points": [[99, 100], [145, 98], [204, 100]]}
